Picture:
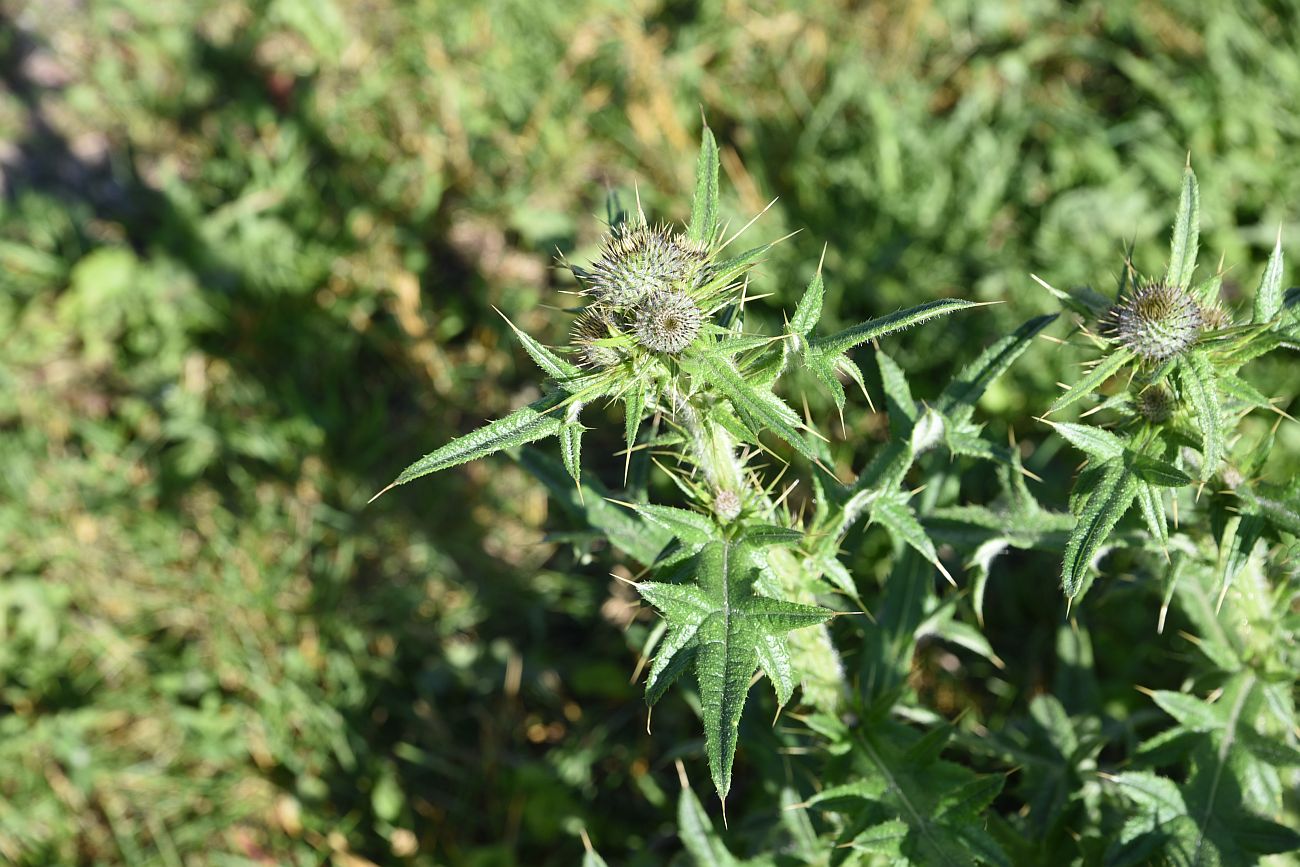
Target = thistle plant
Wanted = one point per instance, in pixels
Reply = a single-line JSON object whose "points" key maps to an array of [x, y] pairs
{"points": [[735, 573], [745, 582], [1171, 354]]}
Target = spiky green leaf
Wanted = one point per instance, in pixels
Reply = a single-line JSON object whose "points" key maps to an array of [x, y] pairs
{"points": [[1098, 515], [1268, 300], [1196, 374], [525, 425], [704, 206], [842, 341], [1093, 379], [729, 631], [759, 410], [809, 311], [1187, 228]]}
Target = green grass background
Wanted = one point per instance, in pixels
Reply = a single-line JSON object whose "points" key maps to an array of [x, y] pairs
{"points": [[249, 253]]}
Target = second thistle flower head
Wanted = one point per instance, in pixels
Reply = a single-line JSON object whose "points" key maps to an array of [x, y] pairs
{"points": [[1155, 322], [667, 321]]}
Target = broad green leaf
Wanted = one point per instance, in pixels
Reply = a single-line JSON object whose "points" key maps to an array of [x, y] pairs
{"points": [[1187, 228], [525, 425], [1092, 441], [759, 410], [1196, 374], [809, 311], [966, 802], [1093, 379], [958, 400], [728, 631], [842, 341], [704, 206], [1099, 514], [1268, 300]]}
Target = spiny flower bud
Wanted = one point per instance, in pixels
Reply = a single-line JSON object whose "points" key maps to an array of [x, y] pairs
{"points": [[667, 321], [1156, 322], [726, 505], [1155, 404], [1214, 317], [587, 329], [639, 260]]}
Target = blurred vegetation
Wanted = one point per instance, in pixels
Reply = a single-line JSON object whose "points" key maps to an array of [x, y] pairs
{"points": [[249, 254]]}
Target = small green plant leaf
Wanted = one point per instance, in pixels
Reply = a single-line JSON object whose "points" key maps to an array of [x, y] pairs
{"points": [[691, 527], [698, 834], [550, 363], [525, 425], [1101, 510], [842, 341], [959, 398], [1268, 300], [729, 631], [1093, 379], [1196, 374], [1092, 441], [1187, 228], [809, 311], [704, 206]]}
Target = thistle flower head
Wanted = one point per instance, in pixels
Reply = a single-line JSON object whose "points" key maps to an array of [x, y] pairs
{"points": [[1214, 317], [639, 260], [1155, 322], [666, 320], [588, 328], [1155, 404]]}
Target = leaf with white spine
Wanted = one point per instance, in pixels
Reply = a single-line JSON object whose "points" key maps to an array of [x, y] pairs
{"points": [[759, 410], [1092, 441], [809, 311], [960, 396]]}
